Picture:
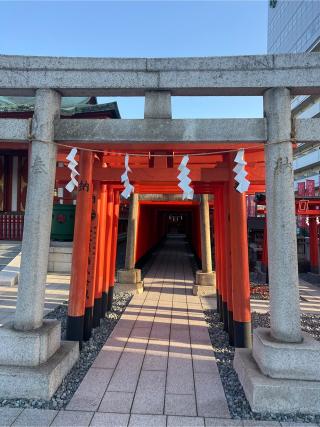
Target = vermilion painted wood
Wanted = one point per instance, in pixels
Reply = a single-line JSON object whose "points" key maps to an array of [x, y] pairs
{"points": [[228, 265], [108, 242], [79, 270], [314, 248], [93, 252], [101, 241], [239, 257], [115, 223]]}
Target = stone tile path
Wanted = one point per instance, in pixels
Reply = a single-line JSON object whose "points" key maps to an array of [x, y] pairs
{"points": [[158, 359], [158, 367]]}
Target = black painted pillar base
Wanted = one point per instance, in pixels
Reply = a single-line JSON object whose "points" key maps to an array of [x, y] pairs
{"points": [[221, 308], [110, 298], [96, 313], [75, 328], [225, 316], [231, 328], [88, 321], [104, 303], [218, 302], [242, 334]]}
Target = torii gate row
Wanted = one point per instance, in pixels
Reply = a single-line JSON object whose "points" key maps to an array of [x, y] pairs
{"points": [[281, 352], [93, 264]]}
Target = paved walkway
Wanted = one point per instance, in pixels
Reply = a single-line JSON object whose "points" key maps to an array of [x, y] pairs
{"points": [[158, 367], [159, 360]]}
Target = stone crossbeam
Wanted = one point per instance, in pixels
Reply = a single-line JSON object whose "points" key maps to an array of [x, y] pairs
{"points": [[158, 130], [208, 76]]}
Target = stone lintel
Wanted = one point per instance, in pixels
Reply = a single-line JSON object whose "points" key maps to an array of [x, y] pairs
{"points": [[237, 75], [299, 361], [275, 395], [39, 382], [145, 131], [29, 348]]}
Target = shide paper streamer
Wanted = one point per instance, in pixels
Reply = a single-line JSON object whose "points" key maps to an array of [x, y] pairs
{"points": [[241, 173], [185, 181], [72, 166], [128, 188]]}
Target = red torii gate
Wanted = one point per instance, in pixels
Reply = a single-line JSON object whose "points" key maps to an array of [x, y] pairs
{"points": [[95, 237]]}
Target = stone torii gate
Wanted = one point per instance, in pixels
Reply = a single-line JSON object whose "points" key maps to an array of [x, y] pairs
{"points": [[281, 373]]}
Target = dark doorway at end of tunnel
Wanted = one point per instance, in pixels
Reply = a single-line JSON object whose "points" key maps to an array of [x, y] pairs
{"points": [[177, 223]]}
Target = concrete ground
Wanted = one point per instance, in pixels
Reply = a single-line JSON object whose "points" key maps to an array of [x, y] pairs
{"points": [[158, 367], [57, 291]]}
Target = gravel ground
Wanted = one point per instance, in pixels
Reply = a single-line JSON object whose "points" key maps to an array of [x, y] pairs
{"points": [[237, 402], [88, 353]]}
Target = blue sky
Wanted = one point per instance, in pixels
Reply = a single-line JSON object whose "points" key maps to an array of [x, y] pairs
{"points": [[142, 29]]}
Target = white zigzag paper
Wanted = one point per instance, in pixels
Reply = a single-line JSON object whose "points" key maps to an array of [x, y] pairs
{"points": [[241, 173], [72, 166], [185, 181], [128, 188]]}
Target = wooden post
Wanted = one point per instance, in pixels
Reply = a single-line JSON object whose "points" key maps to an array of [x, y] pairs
{"points": [[92, 264], [114, 247], [101, 256], [240, 266], [314, 248], [77, 294], [228, 265], [108, 250]]}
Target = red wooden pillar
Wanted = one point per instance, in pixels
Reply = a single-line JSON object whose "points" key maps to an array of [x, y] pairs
{"points": [[228, 265], [222, 249], [101, 255], [314, 248], [77, 294], [108, 250], [92, 263], [217, 252], [114, 247], [240, 266]]}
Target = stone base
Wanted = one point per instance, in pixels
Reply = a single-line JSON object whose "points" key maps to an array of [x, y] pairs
{"points": [[206, 279], [204, 291], [9, 278], [129, 276], [205, 284], [275, 395], [29, 348], [129, 281], [135, 288], [38, 382], [297, 361]]}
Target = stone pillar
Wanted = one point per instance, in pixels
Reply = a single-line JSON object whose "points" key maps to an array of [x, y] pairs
{"points": [[38, 215], [281, 220], [130, 277], [205, 278], [283, 372], [33, 360]]}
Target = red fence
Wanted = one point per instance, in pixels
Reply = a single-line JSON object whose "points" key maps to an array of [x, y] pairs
{"points": [[11, 226]]}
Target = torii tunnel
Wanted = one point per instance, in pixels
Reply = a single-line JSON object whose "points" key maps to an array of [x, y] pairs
{"points": [[155, 205]]}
